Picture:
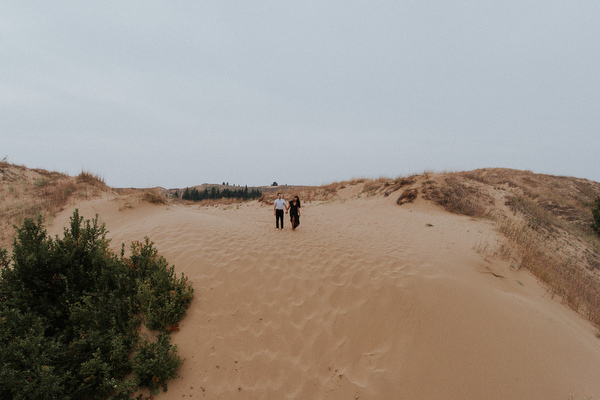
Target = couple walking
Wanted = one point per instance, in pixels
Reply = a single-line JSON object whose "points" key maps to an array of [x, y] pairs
{"points": [[293, 207]]}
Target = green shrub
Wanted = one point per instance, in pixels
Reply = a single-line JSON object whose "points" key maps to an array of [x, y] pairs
{"points": [[596, 214], [163, 298], [156, 362], [70, 310]]}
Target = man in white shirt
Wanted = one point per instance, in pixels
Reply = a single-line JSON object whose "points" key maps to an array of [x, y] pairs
{"points": [[278, 208]]}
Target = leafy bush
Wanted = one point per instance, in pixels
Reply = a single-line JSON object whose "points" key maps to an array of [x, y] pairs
{"points": [[156, 362], [163, 298], [70, 313]]}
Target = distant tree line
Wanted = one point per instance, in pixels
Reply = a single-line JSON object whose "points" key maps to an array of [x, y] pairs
{"points": [[214, 193]]}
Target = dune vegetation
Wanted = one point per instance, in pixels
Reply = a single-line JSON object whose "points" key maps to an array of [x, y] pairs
{"points": [[73, 312]]}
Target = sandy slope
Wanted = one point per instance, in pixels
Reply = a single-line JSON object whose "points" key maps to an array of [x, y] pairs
{"points": [[364, 301]]}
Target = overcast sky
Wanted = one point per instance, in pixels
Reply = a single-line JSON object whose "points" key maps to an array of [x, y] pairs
{"points": [[179, 93]]}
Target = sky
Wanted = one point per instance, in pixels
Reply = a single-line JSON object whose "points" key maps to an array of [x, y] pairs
{"points": [[180, 93]]}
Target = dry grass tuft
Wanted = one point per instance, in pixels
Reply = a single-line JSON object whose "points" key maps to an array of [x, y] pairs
{"points": [[92, 179], [457, 195], [153, 196], [408, 196]]}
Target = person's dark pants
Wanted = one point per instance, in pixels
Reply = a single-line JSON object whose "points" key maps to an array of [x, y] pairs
{"points": [[278, 217]]}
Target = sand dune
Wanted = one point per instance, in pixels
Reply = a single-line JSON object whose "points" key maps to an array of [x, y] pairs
{"points": [[366, 300]]}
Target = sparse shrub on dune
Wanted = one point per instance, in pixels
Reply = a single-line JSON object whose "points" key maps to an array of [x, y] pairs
{"points": [[71, 312], [333, 187], [4, 163], [154, 197], [391, 186], [456, 196], [371, 186], [407, 196], [537, 217], [596, 216]]}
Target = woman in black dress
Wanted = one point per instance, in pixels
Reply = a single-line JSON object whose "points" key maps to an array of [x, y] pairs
{"points": [[294, 208]]}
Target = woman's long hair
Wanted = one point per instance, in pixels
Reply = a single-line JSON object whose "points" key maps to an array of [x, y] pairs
{"points": [[296, 198]]}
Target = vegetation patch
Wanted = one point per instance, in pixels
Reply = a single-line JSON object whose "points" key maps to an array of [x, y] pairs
{"points": [[456, 196], [92, 179], [72, 312], [408, 196], [596, 215], [154, 197]]}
